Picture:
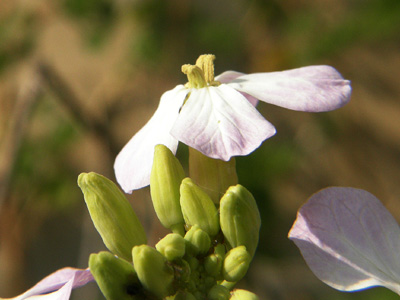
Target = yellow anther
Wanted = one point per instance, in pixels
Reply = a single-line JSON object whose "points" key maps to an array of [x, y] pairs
{"points": [[202, 74], [206, 63], [195, 76]]}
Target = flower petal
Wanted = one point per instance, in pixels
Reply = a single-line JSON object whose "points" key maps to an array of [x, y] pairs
{"points": [[133, 164], [312, 89], [349, 240], [220, 123], [58, 285], [228, 76]]}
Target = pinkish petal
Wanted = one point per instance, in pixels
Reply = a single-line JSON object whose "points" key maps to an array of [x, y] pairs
{"points": [[58, 285], [133, 164], [221, 123], [228, 76], [62, 294], [312, 89], [349, 240]]}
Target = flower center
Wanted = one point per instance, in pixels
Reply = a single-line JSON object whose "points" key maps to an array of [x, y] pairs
{"points": [[202, 74]]}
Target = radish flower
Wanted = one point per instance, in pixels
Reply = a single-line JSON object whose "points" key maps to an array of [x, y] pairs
{"points": [[217, 116], [349, 240]]}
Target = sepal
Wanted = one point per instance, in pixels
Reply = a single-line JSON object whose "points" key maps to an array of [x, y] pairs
{"points": [[153, 271], [236, 264], [198, 241], [115, 277], [240, 218], [111, 214], [172, 246], [218, 292], [166, 177], [239, 294], [198, 208]]}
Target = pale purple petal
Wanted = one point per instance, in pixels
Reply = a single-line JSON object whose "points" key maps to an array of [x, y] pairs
{"points": [[133, 164], [228, 76], [221, 123], [311, 89], [58, 285], [349, 240]]}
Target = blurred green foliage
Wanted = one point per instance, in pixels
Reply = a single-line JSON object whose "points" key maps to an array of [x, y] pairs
{"points": [[17, 38], [42, 171], [361, 23], [95, 17]]}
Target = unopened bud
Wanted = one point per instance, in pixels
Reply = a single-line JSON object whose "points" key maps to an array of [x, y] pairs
{"points": [[183, 295], [243, 295], [240, 218], [153, 271], [115, 277], [213, 264], [198, 241], [218, 292], [193, 263], [198, 208], [214, 176], [165, 180], [220, 250], [112, 214], [182, 270], [172, 246], [236, 264]]}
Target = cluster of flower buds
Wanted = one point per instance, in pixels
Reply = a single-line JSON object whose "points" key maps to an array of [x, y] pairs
{"points": [[209, 250]]}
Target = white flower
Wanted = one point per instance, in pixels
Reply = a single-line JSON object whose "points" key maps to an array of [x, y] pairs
{"points": [[218, 117]]}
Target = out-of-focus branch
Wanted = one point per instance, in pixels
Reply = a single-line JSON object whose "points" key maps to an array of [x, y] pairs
{"points": [[69, 99], [28, 93]]}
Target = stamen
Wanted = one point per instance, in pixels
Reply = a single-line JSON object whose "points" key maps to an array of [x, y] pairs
{"points": [[202, 74], [206, 63], [195, 76]]}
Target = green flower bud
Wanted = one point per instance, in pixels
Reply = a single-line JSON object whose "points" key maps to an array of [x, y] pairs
{"points": [[165, 180], [213, 264], [153, 271], [198, 241], [236, 264], [182, 270], [243, 295], [198, 208], [240, 218], [193, 263], [115, 277], [198, 295], [209, 282], [214, 176], [183, 295], [111, 214], [172, 246], [218, 292], [220, 250]]}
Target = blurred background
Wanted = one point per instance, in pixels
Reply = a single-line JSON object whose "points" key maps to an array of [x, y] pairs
{"points": [[79, 78]]}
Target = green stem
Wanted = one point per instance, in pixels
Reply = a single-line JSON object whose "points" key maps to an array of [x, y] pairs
{"points": [[214, 176]]}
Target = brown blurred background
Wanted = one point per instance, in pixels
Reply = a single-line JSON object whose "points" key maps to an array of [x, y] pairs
{"points": [[79, 78]]}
